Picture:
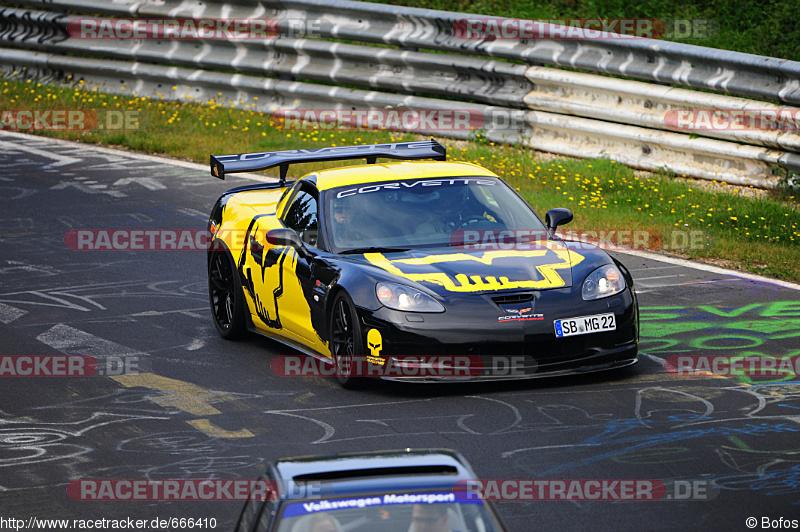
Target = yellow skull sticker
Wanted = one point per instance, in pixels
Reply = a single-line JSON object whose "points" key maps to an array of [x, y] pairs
{"points": [[375, 344]]}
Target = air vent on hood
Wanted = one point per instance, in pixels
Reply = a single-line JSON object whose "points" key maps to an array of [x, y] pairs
{"points": [[512, 299]]}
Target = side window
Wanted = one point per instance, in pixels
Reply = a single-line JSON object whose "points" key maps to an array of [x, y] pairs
{"points": [[269, 506], [302, 217], [258, 511], [267, 514]]}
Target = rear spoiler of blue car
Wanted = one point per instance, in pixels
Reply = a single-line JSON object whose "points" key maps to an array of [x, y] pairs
{"points": [[251, 162]]}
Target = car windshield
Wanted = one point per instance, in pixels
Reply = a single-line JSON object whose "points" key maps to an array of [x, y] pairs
{"points": [[427, 213], [392, 512]]}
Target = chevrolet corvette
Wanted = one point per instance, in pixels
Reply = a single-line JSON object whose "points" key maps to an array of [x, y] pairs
{"points": [[420, 269]]}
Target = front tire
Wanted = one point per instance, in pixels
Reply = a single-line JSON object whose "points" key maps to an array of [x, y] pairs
{"points": [[346, 342], [226, 297]]}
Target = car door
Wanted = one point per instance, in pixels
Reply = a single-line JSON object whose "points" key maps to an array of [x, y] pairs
{"points": [[301, 215]]}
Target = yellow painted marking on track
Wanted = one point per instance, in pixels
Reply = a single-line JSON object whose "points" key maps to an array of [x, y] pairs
{"points": [[205, 426], [185, 396], [182, 395]]}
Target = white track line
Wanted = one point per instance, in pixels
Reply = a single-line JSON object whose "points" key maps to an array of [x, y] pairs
{"points": [[9, 313], [709, 268], [133, 155], [72, 341], [660, 277], [58, 160]]}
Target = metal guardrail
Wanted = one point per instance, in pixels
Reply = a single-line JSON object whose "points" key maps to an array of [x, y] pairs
{"points": [[260, 94], [692, 66], [577, 114], [477, 79], [648, 105], [654, 60], [638, 147]]}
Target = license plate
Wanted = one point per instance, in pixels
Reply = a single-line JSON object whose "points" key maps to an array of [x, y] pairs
{"points": [[585, 325]]}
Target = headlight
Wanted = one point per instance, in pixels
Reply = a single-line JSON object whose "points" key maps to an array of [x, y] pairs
{"points": [[400, 297], [603, 282]]}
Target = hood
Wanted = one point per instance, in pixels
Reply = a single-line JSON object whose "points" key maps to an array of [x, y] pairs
{"points": [[447, 271]]}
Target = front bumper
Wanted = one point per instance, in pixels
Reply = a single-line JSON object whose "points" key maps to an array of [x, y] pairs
{"points": [[457, 368], [468, 343]]}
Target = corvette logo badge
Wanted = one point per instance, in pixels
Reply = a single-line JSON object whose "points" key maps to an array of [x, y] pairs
{"points": [[520, 317]]}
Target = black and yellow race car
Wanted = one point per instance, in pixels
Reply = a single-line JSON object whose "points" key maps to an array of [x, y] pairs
{"points": [[420, 270]]}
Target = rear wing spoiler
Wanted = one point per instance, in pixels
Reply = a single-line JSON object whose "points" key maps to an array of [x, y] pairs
{"points": [[251, 162]]}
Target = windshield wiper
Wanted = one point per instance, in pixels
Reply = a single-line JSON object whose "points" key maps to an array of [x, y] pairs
{"points": [[374, 249]]}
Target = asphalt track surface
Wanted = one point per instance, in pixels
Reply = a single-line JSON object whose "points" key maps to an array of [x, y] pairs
{"points": [[200, 407]]}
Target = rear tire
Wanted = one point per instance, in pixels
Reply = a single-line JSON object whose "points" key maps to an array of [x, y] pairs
{"points": [[226, 296], [346, 342]]}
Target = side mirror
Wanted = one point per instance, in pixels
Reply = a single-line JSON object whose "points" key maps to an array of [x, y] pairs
{"points": [[556, 217], [287, 237]]}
